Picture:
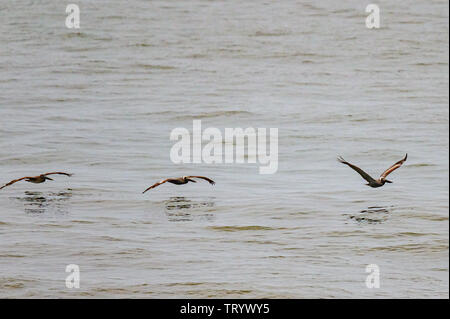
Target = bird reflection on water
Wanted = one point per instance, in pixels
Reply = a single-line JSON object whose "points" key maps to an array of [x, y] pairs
{"points": [[183, 209], [372, 215], [40, 203]]}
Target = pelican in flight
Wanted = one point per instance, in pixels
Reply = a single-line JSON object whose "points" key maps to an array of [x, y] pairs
{"points": [[371, 181], [35, 179], [180, 181]]}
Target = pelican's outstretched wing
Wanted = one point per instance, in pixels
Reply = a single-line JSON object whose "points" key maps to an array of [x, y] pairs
{"points": [[155, 185], [205, 178], [364, 175], [393, 167], [14, 181], [57, 173]]}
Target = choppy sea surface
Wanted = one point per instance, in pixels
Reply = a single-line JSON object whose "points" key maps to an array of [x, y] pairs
{"points": [[102, 100]]}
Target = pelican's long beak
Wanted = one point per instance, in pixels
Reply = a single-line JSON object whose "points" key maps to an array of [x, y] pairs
{"points": [[48, 178], [191, 180], [388, 181]]}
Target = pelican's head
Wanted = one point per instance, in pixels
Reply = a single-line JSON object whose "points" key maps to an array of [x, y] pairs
{"points": [[188, 179]]}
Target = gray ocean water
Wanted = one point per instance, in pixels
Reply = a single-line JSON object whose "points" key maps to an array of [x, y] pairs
{"points": [[101, 101]]}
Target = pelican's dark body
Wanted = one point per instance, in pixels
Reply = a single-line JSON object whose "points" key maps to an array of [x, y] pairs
{"points": [[180, 181], [378, 183], [38, 179]]}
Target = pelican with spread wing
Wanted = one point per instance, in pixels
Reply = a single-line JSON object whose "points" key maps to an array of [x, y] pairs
{"points": [[371, 181], [35, 179], [180, 181]]}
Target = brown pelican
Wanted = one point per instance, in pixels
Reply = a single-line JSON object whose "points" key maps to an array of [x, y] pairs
{"points": [[380, 181], [36, 179], [180, 181]]}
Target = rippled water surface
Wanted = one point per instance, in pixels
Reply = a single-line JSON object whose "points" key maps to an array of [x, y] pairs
{"points": [[101, 101]]}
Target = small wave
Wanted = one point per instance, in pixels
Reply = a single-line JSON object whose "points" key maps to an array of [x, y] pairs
{"points": [[70, 35], [68, 119], [432, 217], [185, 284], [413, 248], [242, 228], [422, 165], [81, 222], [14, 283], [424, 64], [142, 45], [55, 225], [110, 238], [413, 234], [212, 114], [269, 34], [197, 56], [154, 66], [111, 17]]}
